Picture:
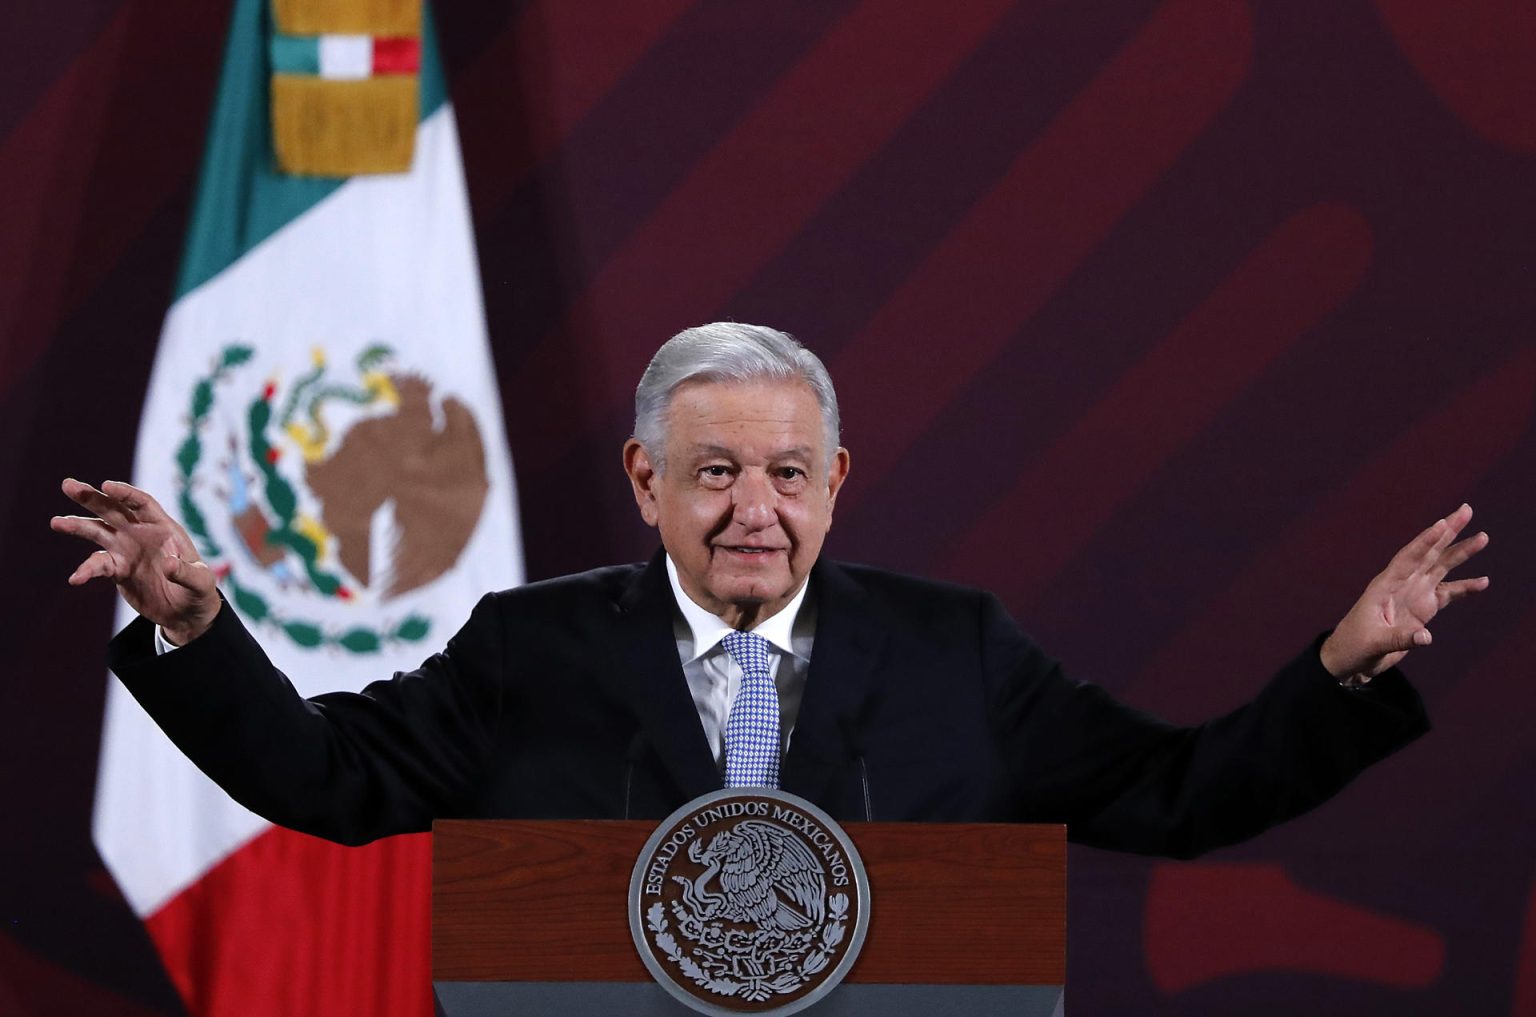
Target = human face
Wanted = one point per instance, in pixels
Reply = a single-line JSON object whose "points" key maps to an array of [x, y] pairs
{"points": [[746, 496]]}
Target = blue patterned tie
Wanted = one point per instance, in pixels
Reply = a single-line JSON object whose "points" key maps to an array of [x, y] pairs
{"points": [[752, 729]]}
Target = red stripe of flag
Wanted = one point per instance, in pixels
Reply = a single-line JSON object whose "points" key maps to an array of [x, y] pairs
{"points": [[293, 926], [397, 55]]}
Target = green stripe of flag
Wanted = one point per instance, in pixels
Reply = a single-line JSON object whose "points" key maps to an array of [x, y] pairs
{"points": [[295, 54], [241, 198]]}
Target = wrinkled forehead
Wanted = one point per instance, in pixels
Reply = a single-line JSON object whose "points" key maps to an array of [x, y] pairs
{"points": [[769, 413]]}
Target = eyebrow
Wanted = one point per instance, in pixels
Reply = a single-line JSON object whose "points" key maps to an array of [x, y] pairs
{"points": [[706, 451]]}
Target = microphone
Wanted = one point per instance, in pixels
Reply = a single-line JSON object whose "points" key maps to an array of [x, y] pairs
{"points": [[855, 748]]}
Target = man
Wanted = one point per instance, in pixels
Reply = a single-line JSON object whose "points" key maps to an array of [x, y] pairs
{"points": [[737, 656]]}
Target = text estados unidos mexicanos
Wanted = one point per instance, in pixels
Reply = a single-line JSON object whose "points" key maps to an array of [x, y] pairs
{"points": [[656, 872]]}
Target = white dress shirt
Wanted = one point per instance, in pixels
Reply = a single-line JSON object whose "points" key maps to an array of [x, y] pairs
{"points": [[714, 678]]}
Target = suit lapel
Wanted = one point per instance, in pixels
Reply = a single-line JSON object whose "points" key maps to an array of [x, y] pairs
{"points": [[644, 672], [849, 638]]}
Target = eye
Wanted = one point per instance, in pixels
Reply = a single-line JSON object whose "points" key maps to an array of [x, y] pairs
{"points": [[716, 475], [790, 479]]}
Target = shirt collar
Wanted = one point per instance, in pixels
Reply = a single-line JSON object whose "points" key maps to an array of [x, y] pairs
{"points": [[706, 630]]}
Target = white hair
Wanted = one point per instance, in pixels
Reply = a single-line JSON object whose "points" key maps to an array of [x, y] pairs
{"points": [[727, 351]]}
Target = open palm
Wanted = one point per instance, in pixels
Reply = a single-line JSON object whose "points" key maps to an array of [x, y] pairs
{"points": [[146, 553], [1392, 616]]}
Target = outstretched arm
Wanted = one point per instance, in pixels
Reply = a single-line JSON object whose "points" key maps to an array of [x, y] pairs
{"points": [[146, 553], [1392, 616]]}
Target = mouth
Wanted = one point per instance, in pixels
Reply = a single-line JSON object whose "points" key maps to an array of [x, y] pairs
{"points": [[749, 552]]}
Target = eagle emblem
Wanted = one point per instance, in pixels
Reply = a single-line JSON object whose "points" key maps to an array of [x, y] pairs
{"points": [[766, 878], [749, 901]]}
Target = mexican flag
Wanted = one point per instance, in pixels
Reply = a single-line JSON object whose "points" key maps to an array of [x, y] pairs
{"points": [[323, 417]]}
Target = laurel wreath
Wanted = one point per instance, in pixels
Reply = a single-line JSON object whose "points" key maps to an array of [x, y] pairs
{"points": [[752, 989], [283, 502]]}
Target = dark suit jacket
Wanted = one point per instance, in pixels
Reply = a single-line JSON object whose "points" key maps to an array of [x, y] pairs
{"points": [[924, 702]]}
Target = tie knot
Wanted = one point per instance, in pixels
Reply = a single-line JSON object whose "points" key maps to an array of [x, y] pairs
{"points": [[749, 650]]}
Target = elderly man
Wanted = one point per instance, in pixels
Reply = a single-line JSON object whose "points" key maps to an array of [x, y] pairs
{"points": [[738, 657]]}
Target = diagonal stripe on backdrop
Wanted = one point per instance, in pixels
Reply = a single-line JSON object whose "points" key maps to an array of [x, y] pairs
{"points": [[560, 58], [1480, 424], [1056, 203], [1525, 974], [36, 978], [861, 82], [1474, 746], [1199, 926], [1285, 286], [64, 232]]}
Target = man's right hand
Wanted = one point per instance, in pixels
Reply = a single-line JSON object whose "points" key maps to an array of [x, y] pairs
{"points": [[147, 554]]}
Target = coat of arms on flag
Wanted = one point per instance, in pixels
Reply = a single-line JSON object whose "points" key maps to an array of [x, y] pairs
{"points": [[285, 496]]}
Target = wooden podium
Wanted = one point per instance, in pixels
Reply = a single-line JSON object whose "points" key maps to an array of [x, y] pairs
{"points": [[532, 918]]}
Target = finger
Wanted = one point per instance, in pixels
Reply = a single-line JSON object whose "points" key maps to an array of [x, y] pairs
{"points": [[1425, 549], [140, 502], [1449, 527], [148, 510], [1449, 593], [84, 527], [1458, 553], [1408, 639], [98, 566], [1420, 549], [104, 505], [184, 572], [1453, 525], [1403, 639], [1459, 519]]}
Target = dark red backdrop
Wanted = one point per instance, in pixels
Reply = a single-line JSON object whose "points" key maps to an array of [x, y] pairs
{"points": [[1166, 321]]}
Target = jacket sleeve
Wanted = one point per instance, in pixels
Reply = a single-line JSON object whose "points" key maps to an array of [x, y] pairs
{"points": [[349, 767], [1124, 780]]}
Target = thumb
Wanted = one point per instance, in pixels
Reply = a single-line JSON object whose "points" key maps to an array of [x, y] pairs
{"points": [[189, 574]]}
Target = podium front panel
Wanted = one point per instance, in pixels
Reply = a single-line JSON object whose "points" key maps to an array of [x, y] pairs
{"points": [[532, 917]]}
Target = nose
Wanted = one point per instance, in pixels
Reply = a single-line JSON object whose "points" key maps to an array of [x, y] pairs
{"points": [[754, 500]]}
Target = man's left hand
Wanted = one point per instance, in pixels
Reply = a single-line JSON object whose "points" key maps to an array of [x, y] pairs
{"points": [[1392, 616]]}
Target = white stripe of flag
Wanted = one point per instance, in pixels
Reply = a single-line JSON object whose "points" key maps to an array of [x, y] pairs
{"points": [[346, 57]]}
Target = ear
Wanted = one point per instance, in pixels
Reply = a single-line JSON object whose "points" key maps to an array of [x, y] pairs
{"points": [[835, 477], [643, 478]]}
